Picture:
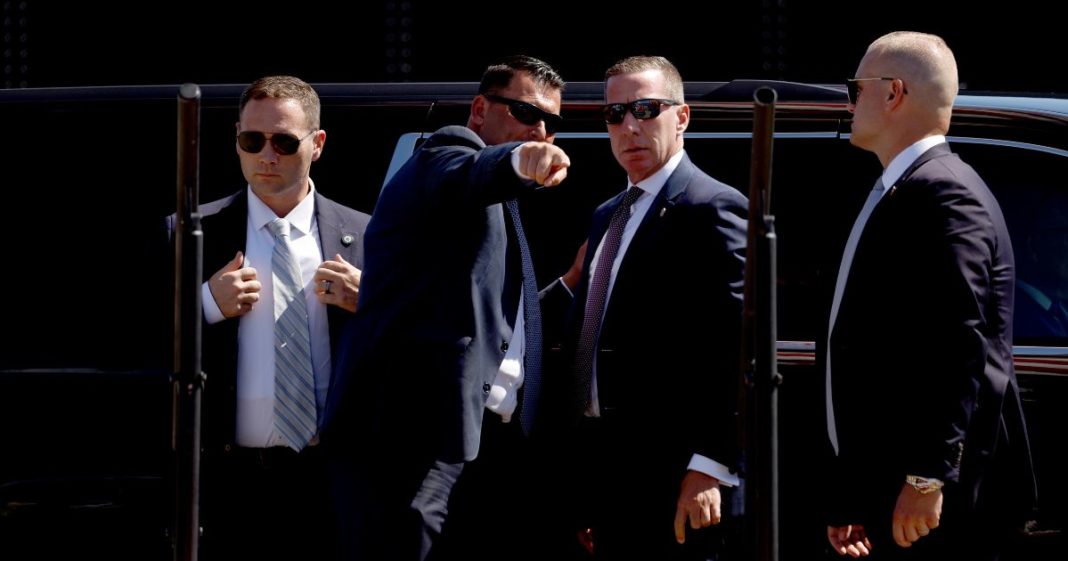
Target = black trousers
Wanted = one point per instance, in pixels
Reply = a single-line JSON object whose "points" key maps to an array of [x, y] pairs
{"points": [[627, 490], [266, 504], [409, 508], [504, 505]]}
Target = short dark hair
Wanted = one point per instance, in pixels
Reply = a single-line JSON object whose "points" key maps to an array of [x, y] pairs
{"points": [[498, 76], [284, 87], [636, 64]]}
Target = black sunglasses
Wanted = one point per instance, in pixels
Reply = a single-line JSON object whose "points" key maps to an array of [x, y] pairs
{"points": [[642, 109], [853, 88], [285, 144], [528, 114]]}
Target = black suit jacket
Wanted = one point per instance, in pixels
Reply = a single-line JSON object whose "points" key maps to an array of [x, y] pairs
{"points": [[430, 333], [224, 224], [923, 380], [669, 340]]}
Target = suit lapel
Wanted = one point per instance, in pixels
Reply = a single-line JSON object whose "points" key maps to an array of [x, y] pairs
{"points": [[645, 238], [336, 236], [230, 223]]}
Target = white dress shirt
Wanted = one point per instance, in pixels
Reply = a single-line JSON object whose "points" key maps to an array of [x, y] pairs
{"points": [[255, 338]]}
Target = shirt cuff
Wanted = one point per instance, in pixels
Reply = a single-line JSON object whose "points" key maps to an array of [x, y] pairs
{"points": [[212, 313], [711, 467], [515, 163]]}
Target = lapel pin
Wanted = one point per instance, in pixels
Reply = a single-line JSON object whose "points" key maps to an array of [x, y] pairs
{"points": [[347, 240]]}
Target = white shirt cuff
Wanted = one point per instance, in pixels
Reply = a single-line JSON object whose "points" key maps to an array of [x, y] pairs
{"points": [[515, 163], [212, 313], [711, 467]]}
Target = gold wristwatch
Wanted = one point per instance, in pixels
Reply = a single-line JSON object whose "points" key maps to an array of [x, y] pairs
{"points": [[924, 485]]}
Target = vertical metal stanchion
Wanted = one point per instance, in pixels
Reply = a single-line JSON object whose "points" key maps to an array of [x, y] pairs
{"points": [[761, 380], [188, 378]]}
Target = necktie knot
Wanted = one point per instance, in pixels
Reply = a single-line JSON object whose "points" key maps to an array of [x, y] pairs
{"points": [[630, 197], [879, 184], [280, 228]]}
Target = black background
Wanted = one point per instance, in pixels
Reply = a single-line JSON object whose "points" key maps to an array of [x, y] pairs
{"points": [[1003, 46]]}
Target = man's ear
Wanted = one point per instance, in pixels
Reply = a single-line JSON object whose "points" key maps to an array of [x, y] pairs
{"points": [[478, 112], [684, 118], [897, 92]]}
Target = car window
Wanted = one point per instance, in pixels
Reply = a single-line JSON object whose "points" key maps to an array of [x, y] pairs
{"points": [[1029, 182]]}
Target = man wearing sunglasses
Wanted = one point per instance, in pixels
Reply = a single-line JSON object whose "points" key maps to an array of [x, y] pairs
{"points": [[655, 336], [928, 455], [437, 374], [265, 489]]}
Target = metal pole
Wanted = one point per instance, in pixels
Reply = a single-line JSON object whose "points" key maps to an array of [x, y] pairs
{"points": [[188, 378], [759, 347]]}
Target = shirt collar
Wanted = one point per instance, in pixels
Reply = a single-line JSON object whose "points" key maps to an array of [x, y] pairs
{"points": [[655, 182], [906, 157], [300, 218]]}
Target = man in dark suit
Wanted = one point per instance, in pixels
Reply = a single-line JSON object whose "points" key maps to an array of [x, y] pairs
{"points": [[265, 489], [930, 455], [654, 336], [437, 341]]}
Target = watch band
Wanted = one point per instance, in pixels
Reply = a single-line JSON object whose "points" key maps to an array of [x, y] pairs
{"points": [[924, 485]]}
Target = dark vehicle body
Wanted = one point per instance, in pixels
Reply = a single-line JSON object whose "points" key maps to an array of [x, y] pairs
{"points": [[89, 174]]}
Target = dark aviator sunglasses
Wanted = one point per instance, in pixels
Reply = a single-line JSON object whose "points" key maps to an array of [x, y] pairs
{"points": [[285, 144], [853, 87], [642, 109], [528, 114]]}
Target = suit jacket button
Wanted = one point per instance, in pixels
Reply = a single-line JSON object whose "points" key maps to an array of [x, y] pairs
{"points": [[504, 346], [485, 388]]}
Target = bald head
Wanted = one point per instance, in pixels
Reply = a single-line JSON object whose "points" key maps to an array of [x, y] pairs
{"points": [[923, 61]]}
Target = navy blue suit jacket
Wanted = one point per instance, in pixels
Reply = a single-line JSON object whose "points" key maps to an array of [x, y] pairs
{"points": [[670, 336], [431, 332], [923, 380]]}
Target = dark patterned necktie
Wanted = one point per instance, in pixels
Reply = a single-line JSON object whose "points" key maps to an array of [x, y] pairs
{"points": [[595, 298], [531, 326]]}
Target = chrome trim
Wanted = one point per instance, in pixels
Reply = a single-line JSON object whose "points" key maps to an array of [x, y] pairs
{"points": [[1009, 143], [1027, 350]]}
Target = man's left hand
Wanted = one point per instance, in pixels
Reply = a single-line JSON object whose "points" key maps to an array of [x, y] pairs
{"points": [[915, 514], [337, 282], [699, 500]]}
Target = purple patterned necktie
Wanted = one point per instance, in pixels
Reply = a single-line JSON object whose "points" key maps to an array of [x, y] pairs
{"points": [[595, 298]]}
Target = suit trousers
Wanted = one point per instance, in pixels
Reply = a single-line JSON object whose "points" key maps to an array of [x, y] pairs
{"points": [[628, 492], [502, 507], [267, 503]]}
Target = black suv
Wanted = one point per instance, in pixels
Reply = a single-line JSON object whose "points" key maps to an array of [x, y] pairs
{"points": [[85, 393]]}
